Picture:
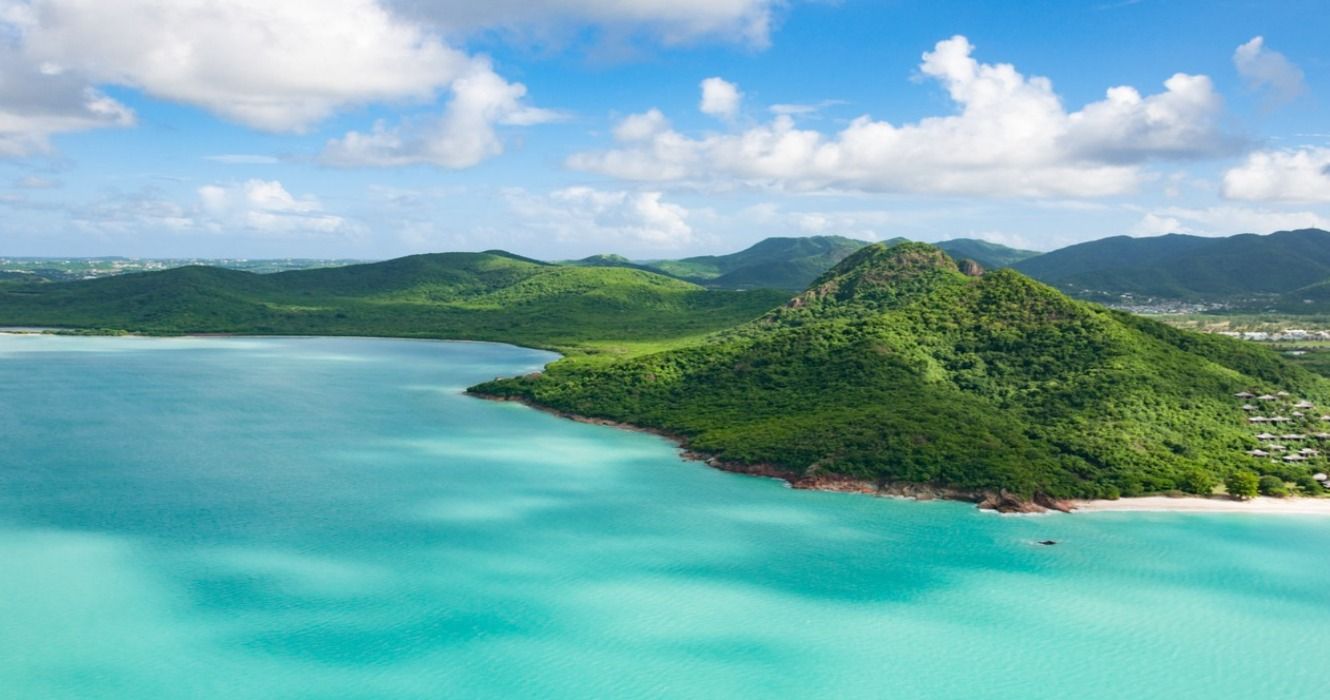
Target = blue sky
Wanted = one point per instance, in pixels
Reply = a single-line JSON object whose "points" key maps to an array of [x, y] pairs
{"points": [[651, 128]]}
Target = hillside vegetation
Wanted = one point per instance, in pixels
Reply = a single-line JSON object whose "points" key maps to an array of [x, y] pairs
{"points": [[1188, 267], [793, 263], [894, 367], [480, 296], [779, 263]]}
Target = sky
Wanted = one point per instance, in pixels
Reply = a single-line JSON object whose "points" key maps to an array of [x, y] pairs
{"points": [[557, 129]]}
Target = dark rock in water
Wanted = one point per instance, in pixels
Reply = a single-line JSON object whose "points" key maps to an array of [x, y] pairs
{"points": [[1048, 543]]}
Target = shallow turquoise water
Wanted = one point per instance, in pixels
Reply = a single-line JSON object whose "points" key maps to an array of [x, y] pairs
{"points": [[331, 518]]}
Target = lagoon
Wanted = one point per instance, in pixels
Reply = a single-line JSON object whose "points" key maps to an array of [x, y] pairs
{"points": [[333, 518]]}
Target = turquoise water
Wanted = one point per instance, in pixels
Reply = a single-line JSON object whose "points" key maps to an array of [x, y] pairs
{"points": [[331, 518]]}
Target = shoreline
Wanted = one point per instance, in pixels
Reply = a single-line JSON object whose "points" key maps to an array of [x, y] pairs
{"points": [[1001, 502], [1263, 505]]}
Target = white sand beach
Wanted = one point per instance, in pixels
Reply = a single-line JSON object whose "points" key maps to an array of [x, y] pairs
{"points": [[1262, 505]]}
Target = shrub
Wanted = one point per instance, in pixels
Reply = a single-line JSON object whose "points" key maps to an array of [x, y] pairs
{"points": [[1242, 485], [1199, 482], [1272, 486]]}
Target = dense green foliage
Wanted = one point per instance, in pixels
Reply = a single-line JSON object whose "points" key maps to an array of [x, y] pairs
{"points": [[1188, 267], [1270, 485], [480, 296], [778, 263], [793, 263], [1242, 484], [896, 367], [991, 255]]}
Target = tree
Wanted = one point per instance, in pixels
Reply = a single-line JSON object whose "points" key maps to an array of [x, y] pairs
{"points": [[1199, 482], [1242, 485], [1272, 486]]}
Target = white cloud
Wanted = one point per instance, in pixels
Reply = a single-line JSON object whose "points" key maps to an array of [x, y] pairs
{"points": [[462, 137], [1268, 70], [278, 66], [720, 98], [266, 206], [1299, 175], [1158, 225], [37, 102], [1226, 220], [612, 218], [1011, 137], [669, 21]]}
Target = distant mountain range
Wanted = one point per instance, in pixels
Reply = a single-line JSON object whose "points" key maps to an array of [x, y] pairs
{"points": [[1287, 270], [1175, 266]]}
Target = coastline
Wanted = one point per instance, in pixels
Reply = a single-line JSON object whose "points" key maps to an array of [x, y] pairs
{"points": [[1000, 502]]}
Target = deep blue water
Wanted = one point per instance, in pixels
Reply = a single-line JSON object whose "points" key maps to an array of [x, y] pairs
{"points": [[332, 518]]}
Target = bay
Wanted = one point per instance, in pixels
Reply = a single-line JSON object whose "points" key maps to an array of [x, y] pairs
{"points": [[334, 518]]}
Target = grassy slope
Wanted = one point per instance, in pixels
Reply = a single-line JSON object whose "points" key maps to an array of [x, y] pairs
{"points": [[1189, 267], [480, 296], [896, 367]]}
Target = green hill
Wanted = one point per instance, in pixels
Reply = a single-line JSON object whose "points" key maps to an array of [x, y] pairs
{"points": [[611, 260], [991, 255], [792, 263], [895, 368], [778, 263], [481, 296], [1188, 267]]}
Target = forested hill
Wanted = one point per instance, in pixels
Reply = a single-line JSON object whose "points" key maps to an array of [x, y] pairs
{"points": [[894, 367], [780, 263], [990, 255], [1188, 267], [792, 263], [482, 296]]}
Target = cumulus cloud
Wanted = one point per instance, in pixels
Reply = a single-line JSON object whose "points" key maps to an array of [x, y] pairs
{"points": [[1268, 70], [38, 101], [463, 136], [266, 206], [720, 98], [278, 66], [1011, 136], [1298, 175], [669, 21], [584, 214]]}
